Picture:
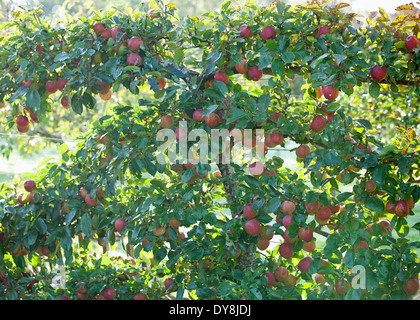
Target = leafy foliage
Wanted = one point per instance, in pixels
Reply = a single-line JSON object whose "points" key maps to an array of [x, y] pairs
{"points": [[188, 225]]}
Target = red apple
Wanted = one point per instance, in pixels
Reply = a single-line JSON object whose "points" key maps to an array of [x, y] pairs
{"points": [[252, 227], [153, 15], [309, 246], [198, 115], [159, 231], [288, 207], [107, 33], [268, 32], [341, 287], [166, 121], [116, 31], [98, 28], [411, 42], [370, 186], [287, 238], [277, 138], [141, 296], [51, 86], [411, 286], [302, 151], [120, 224], [263, 244], [39, 48], [221, 76], [256, 168], [324, 213], [401, 208], [29, 185], [212, 120], [330, 92], [22, 121], [83, 192], [281, 273], [271, 280], [133, 59], [245, 31], [61, 83], [263, 233], [304, 264], [287, 221], [306, 234], [285, 250], [240, 67], [318, 123], [134, 43], [249, 213], [91, 202], [378, 73], [109, 293], [254, 73]]}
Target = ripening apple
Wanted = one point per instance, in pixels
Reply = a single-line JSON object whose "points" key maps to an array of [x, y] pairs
{"points": [[198, 115], [378, 73], [39, 48], [318, 123], [330, 92], [23, 198], [256, 168], [324, 213], [287, 220], [411, 42], [277, 138], [268, 32], [370, 186], [159, 231], [411, 286], [61, 83], [288, 207], [263, 244], [401, 208], [271, 280], [341, 287], [287, 238], [306, 234], [162, 82], [212, 120], [109, 293], [319, 279], [240, 67], [166, 121], [281, 273], [107, 33], [22, 121], [116, 31], [304, 264], [35, 197], [237, 254], [120, 224], [285, 250], [309, 246], [91, 202], [29, 185], [105, 96], [249, 213], [141, 296], [254, 73], [134, 43], [51, 86], [245, 31], [133, 59], [302, 151], [98, 28], [264, 233], [252, 227], [221, 76], [83, 192]]}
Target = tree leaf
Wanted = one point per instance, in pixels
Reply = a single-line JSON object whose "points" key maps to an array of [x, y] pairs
{"points": [[375, 204], [86, 224]]}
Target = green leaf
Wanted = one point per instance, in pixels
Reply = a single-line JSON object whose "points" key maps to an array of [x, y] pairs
{"points": [[404, 164], [88, 100], [86, 224], [77, 103], [288, 57], [379, 174], [33, 100], [375, 204], [374, 89], [277, 67], [265, 60]]}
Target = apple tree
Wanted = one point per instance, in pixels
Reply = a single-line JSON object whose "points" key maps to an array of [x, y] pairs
{"points": [[337, 226]]}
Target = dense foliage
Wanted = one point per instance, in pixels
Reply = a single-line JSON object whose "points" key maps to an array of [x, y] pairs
{"points": [[216, 230]]}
